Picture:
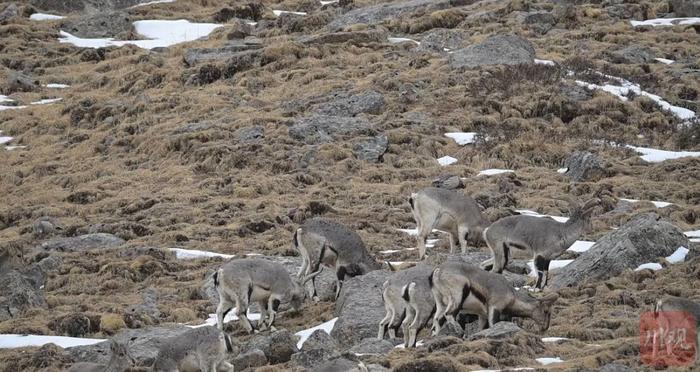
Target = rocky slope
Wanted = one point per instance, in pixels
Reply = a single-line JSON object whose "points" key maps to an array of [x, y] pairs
{"points": [[228, 143]]}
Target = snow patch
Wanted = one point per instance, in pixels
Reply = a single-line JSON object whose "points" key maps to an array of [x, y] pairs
{"points": [[625, 87], [553, 265], [158, 32], [655, 156], [462, 138], [304, 335], [546, 361], [581, 246], [10, 148], [13, 341], [280, 12], [528, 212], [554, 339], [230, 317], [44, 17], [446, 160], [544, 62], [678, 255], [152, 2], [650, 265], [46, 101], [562, 170], [692, 234], [329, 2], [396, 40], [494, 171], [666, 22], [57, 86], [191, 254], [4, 139], [657, 204], [664, 61]]}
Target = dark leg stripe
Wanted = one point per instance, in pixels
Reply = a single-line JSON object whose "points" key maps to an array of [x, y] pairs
{"points": [[479, 295], [465, 293]]}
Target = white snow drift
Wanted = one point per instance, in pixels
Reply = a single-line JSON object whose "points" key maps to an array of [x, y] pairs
{"points": [[667, 22], [44, 17], [159, 33], [13, 341], [462, 138]]}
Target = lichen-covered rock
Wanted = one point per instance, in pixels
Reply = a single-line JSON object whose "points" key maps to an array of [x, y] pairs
{"points": [[371, 149], [641, 240], [83, 243], [317, 129], [584, 166], [505, 49], [359, 308], [277, 346]]}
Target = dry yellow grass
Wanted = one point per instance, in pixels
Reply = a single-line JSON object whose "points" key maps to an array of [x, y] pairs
{"points": [[107, 157]]}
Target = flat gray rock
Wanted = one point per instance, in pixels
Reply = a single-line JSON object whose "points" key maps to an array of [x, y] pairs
{"points": [[83, 243], [359, 308], [643, 239], [505, 49]]}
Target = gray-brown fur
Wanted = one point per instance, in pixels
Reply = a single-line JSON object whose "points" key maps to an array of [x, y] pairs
{"points": [[119, 361], [199, 349], [397, 293], [459, 286], [545, 238], [448, 211], [421, 306], [322, 242], [242, 281], [667, 313]]}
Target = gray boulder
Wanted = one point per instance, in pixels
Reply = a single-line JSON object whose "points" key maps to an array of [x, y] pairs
{"points": [[685, 8], [338, 365], [584, 166], [318, 129], [10, 11], [643, 239], [439, 39], [45, 226], [614, 367], [144, 344], [83, 243], [359, 308], [496, 50], [18, 293], [99, 25], [251, 359], [318, 348], [539, 22], [278, 346], [372, 345], [448, 181], [19, 82], [371, 149], [376, 14], [499, 330], [314, 357], [319, 339], [633, 54], [249, 134], [370, 102]]}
